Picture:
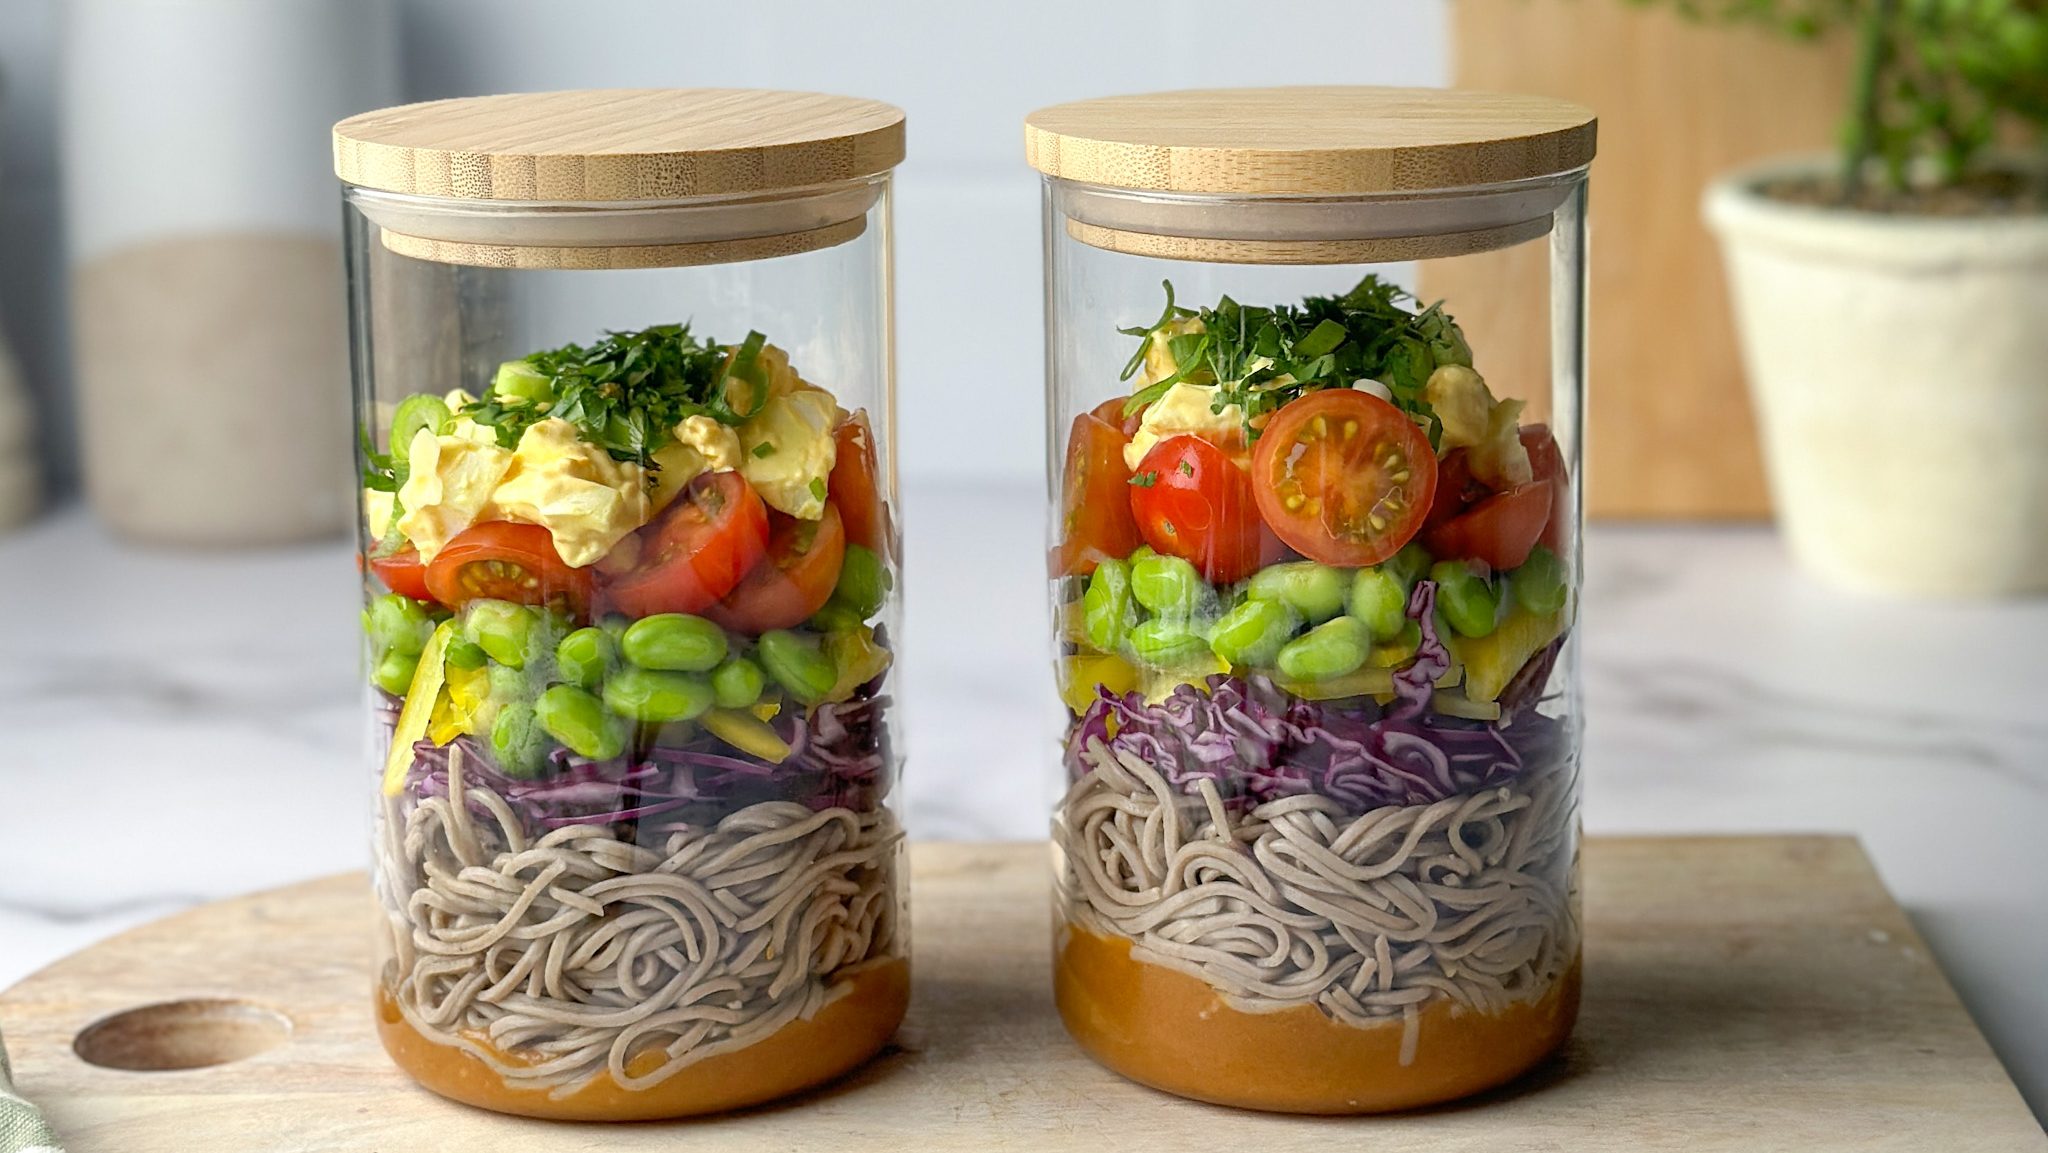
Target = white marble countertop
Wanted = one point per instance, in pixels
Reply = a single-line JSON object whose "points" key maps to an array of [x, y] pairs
{"points": [[176, 727]]}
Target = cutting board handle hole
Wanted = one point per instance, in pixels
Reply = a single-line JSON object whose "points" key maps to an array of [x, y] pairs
{"points": [[172, 1035]]}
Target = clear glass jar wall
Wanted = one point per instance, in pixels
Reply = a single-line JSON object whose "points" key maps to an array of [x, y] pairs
{"points": [[629, 631], [1315, 570]]}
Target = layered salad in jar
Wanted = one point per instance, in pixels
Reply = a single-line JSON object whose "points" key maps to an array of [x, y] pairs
{"points": [[625, 644], [1318, 845]]}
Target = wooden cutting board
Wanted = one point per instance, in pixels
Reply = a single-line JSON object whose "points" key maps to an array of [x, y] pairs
{"points": [[1741, 993], [1680, 102]]}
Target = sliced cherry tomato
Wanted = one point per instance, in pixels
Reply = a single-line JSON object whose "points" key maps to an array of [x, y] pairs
{"points": [[1547, 461], [698, 550], [401, 572], [793, 581], [1499, 530], [1095, 500], [1199, 507], [853, 485], [1343, 477], [501, 560], [1111, 412]]}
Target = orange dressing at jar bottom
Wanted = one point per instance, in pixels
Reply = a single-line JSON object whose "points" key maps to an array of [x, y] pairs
{"points": [[1171, 1031], [801, 1054]]}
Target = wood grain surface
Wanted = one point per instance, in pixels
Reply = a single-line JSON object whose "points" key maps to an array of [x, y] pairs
{"points": [[618, 144], [1679, 103], [1741, 994], [1308, 140]]}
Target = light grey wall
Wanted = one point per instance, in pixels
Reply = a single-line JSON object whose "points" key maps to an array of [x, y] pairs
{"points": [[967, 208]]}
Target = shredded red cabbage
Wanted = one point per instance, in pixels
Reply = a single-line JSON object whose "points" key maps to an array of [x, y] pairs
{"points": [[1255, 743], [839, 757]]}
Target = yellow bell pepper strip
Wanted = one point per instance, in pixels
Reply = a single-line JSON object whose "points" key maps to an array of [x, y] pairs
{"points": [[420, 698]]}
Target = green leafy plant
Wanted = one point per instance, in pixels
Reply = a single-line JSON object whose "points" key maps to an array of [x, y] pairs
{"points": [[1934, 83]]}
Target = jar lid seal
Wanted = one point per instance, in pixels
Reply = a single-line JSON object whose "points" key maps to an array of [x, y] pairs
{"points": [[607, 145], [1309, 141]]}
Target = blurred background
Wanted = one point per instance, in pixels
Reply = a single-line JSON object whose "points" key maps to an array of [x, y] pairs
{"points": [[180, 714]]}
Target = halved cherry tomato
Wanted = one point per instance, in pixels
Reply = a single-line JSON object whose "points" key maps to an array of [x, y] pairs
{"points": [[1547, 461], [1095, 500], [1499, 530], [1198, 506], [853, 486], [793, 581], [401, 572], [1343, 476], [1456, 491], [1111, 412], [501, 560], [698, 550]]}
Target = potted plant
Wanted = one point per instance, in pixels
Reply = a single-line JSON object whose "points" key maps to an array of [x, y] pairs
{"points": [[1892, 300]]}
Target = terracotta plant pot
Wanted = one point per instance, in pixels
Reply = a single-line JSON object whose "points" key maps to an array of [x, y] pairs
{"points": [[1899, 370]]}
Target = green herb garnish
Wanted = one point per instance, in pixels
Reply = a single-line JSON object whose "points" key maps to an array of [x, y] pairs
{"points": [[1144, 479], [1186, 469], [627, 392], [818, 487], [1262, 358], [765, 449]]}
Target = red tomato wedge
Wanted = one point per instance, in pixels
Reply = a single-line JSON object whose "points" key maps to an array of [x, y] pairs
{"points": [[1547, 461], [1500, 530], [402, 573], [1198, 506], [1095, 500], [501, 560], [697, 550], [1111, 412], [793, 581], [855, 488], [1343, 477]]}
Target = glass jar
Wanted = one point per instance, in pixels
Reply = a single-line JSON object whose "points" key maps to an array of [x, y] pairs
{"points": [[1315, 569], [624, 388]]}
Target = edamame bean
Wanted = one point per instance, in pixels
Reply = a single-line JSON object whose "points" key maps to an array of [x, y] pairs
{"points": [[578, 720], [394, 672], [1167, 585], [1379, 599], [1313, 590], [1539, 585], [422, 411], [1408, 565], [657, 697], [502, 629], [399, 624], [1252, 633], [1106, 614], [674, 642], [517, 743], [1163, 643], [1470, 602], [518, 380], [864, 582], [737, 683], [1330, 649], [585, 656], [797, 664], [463, 654], [1392, 654]]}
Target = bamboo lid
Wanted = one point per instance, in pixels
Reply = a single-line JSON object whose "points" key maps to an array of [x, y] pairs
{"points": [[618, 144], [1322, 141]]}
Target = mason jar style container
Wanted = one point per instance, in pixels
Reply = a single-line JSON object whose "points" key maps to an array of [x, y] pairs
{"points": [[1314, 381], [623, 383]]}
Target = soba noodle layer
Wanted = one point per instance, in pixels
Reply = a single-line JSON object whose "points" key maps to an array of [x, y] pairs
{"points": [[1299, 901], [578, 952]]}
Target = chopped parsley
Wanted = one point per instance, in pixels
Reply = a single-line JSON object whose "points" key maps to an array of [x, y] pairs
{"points": [[818, 487], [1144, 479], [627, 392], [1186, 469], [765, 449], [1264, 357]]}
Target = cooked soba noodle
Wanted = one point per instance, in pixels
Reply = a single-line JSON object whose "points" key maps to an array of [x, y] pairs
{"points": [[1300, 902], [579, 951]]}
